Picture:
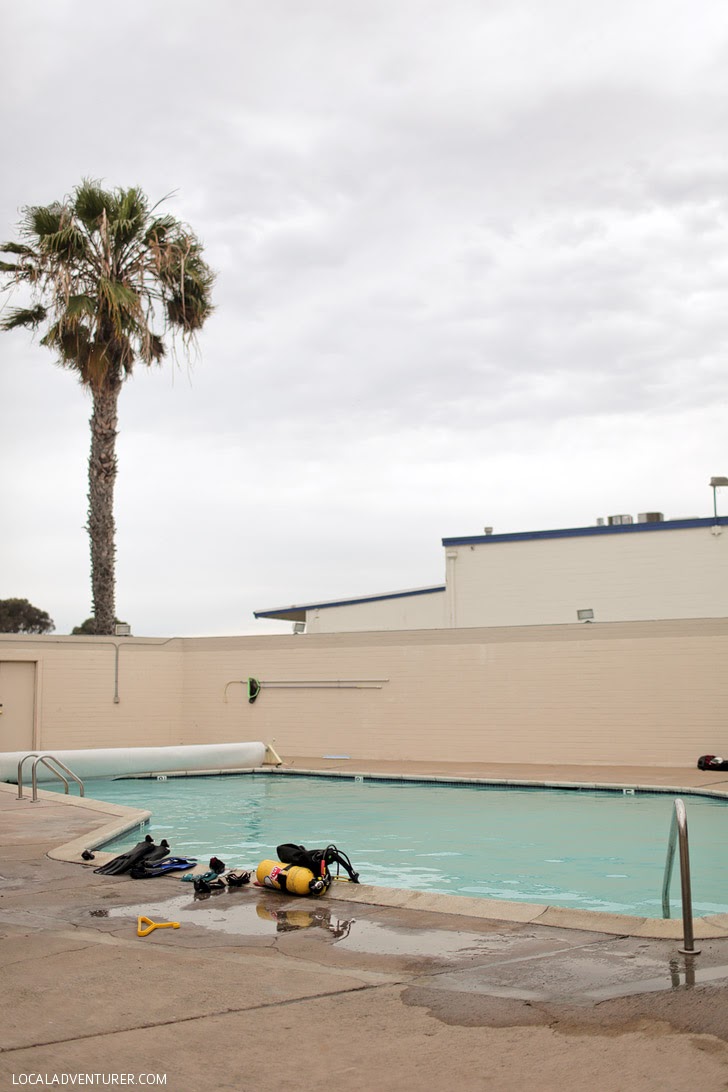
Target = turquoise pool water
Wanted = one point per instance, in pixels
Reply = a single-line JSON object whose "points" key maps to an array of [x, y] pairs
{"points": [[583, 849]]}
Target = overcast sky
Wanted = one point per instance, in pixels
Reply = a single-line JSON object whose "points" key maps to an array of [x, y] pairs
{"points": [[472, 270]]}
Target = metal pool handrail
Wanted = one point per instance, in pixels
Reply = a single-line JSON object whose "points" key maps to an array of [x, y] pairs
{"points": [[46, 759], [32, 754], [679, 831]]}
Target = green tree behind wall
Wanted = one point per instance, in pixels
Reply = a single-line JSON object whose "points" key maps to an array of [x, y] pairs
{"points": [[20, 616]]}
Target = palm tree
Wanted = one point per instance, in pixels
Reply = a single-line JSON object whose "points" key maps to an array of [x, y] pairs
{"points": [[109, 278]]}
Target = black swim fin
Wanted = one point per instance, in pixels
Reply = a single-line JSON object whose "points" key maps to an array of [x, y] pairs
{"points": [[155, 858], [127, 860], [176, 864], [161, 868], [158, 853]]}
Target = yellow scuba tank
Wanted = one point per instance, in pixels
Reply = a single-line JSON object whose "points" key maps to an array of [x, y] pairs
{"points": [[293, 879]]}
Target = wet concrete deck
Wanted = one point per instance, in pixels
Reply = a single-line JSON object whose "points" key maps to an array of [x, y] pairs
{"points": [[259, 991]]}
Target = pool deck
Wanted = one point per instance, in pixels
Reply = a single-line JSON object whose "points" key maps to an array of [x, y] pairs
{"points": [[368, 988]]}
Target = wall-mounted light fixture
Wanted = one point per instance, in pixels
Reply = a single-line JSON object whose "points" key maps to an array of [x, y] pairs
{"points": [[299, 627], [586, 615], [717, 483]]}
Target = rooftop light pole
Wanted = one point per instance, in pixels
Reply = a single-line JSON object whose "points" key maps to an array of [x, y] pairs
{"points": [[717, 483]]}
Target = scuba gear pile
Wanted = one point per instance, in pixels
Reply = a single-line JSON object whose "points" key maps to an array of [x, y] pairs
{"points": [[298, 871], [301, 871]]}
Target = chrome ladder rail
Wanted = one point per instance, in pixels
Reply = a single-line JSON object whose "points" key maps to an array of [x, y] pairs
{"points": [[679, 834], [46, 759]]}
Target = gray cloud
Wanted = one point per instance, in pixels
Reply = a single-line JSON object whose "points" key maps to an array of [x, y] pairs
{"points": [[472, 270]]}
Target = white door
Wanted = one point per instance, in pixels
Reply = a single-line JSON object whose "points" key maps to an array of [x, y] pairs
{"points": [[17, 705]]}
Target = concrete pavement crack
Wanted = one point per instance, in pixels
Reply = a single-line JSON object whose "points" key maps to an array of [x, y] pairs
{"points": [[34, 956], [200, 1016]]}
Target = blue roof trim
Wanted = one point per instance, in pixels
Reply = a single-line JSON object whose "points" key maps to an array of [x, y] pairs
{"points": [[579, 532], [350, 602]]}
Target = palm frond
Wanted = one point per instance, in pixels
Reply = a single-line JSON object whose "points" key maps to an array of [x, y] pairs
{"points": [[91, 202], [29, 317], [126, 230], [119, 301], [67, 244], [188, 281], [16, 248], [129, 214], [159, 229], [95, 365], [42, 220], [9, 267], [150, 347], [157, 351], [187, 313], [71, 341], [97, 362], [131, 203], [81, 306]]}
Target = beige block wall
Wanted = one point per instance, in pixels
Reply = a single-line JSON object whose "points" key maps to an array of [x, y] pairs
{"points": [[622, 577], [566, 694], [622, 693], [79, 677], [408, 612]]}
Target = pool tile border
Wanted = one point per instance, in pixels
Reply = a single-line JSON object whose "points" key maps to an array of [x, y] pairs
{"points": [[589, 786]]}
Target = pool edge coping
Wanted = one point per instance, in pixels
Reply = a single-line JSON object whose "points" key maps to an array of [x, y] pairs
{"points": [[709, 927]]}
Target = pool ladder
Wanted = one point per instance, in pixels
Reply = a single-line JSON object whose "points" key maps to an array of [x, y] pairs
{"points": [[679, 834], [54, 765]]}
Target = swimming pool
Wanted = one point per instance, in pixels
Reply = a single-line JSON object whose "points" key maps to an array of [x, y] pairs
{"points": [[586, 849]]}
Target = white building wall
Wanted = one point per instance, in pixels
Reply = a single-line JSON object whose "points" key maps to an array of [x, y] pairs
{"points": [[631, 576], [426, 611]]}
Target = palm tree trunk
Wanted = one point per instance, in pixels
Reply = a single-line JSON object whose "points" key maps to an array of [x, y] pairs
{"points": [[100, 526]]}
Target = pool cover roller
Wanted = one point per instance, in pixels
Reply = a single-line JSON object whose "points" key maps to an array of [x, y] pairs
{"points": [[121, 761]]}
